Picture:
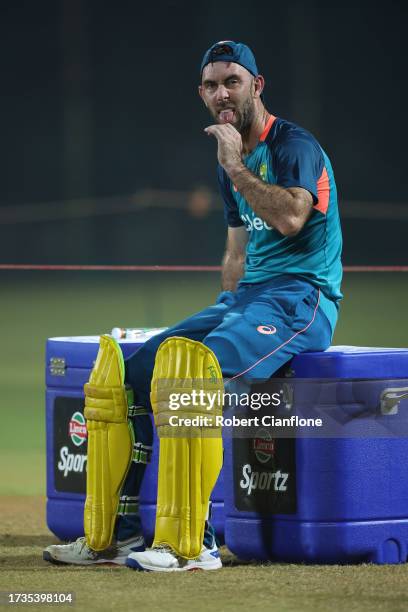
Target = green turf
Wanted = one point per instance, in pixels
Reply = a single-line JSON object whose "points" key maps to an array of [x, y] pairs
{"points": [[275, 587], [271, 587], [37, 305]]}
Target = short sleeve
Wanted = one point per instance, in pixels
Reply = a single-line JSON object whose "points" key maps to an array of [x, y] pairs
{"points": [[231, 213], [298, 162]]}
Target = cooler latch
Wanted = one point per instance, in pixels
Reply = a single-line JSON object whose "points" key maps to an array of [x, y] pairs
{"points": [[57, 366], [288, 396], [390, 399]]}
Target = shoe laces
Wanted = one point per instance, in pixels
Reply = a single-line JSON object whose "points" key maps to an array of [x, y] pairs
{"points": [[162, 548], [80, 544]]}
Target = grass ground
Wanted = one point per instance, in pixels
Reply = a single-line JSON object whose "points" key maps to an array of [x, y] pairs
{"points": [[35, 307], [275, 587]]}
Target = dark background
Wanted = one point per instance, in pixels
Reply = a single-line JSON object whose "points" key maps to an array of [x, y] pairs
{"points": [[103, 160], [102, 127]]}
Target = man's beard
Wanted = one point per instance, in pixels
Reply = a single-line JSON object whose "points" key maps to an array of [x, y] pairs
{"points": [[244, 116]]}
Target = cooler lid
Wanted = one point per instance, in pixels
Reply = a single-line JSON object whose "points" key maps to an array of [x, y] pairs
{"points": [[353, 362], [81, 351], [335, 362]]}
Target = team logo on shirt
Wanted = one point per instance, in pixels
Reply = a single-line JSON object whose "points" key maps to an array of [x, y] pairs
{"points": [[263, 172], [267, 330]]}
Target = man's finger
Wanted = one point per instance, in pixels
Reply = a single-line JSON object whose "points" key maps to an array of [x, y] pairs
{"points": [[214, 130]]}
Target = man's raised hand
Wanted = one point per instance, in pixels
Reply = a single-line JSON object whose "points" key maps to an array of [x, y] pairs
{"points": [[229, 145]]}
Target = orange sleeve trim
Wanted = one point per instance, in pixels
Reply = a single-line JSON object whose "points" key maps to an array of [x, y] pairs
{"points": [[323, 192], [267, 128]]}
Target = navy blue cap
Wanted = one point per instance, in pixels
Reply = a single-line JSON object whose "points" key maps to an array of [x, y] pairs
{"points": [[230, 51]]}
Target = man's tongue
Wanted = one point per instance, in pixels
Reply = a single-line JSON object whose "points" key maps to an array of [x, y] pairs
{"points": [[226, 116]]}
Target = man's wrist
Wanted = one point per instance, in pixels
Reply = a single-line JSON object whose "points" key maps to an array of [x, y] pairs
{"points": [[234, 170]]}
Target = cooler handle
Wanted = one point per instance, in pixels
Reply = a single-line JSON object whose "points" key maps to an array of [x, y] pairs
{"points": [[390, 399]]}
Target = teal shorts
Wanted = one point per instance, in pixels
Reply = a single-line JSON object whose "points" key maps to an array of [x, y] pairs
{"points": [[253, 332]]}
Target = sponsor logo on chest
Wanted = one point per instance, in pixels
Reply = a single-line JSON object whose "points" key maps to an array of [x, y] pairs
{"points": [[254, 223]]}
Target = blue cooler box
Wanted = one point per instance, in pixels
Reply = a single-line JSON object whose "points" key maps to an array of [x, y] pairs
{"points": [[68, 365], [340, 499]]}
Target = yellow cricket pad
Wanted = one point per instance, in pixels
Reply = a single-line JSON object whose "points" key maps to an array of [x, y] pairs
{"points": [[109, 443], [191, 456]]}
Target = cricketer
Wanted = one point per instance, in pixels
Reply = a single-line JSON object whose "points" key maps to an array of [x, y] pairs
{"points": [[281, 276]]}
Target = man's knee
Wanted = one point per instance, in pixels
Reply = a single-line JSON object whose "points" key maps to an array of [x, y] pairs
{"points": [[227, 352]]}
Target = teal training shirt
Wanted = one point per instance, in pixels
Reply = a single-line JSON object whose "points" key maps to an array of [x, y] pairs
{"points": [[289, 156]]}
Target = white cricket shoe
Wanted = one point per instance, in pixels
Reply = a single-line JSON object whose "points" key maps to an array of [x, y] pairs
{"points": [[163, 559], [79, 553]]}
